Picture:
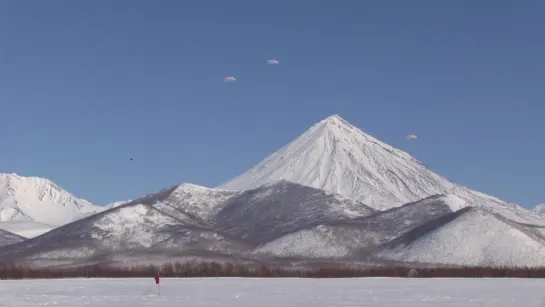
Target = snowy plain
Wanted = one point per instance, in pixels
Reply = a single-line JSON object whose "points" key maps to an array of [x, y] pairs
{"points": [[285, 292]]}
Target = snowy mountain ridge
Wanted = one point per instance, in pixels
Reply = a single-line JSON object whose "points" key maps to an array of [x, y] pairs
{"points": [[34, 200], [188, 219], [281, 220], [495, 241], [338, 157]]}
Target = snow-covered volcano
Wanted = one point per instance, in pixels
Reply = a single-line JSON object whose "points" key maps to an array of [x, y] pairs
{"points": [[26, 202], [337, 157]]}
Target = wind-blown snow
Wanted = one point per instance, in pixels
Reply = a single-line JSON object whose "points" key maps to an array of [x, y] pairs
{"points": [[335, 156], [34, 199], [274, 292]]}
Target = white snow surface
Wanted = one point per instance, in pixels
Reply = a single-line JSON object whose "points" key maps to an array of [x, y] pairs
{"points": [[336, 156], [251, 292], [475, 238], [35, 199]]}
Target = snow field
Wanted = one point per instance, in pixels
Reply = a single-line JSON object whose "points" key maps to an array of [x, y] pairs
{"points": [[285, 292]]}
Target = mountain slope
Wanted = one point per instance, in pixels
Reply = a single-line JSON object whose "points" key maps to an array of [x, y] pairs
{"points": [[189, 219], [335, 156], [7, 238], [471, 236], [161, 223], [273, 210], [358, 238], [39, 201]]}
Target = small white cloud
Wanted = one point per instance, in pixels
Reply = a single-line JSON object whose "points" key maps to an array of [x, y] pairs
{"points": [[411, 137], [229, 79], [273, 62]]}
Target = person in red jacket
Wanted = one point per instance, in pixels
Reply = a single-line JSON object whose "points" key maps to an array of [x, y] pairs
{"points": [[157, 277], [157, 280]]}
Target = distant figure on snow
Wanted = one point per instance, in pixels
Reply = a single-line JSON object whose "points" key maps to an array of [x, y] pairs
{"points": [[157, 280]]}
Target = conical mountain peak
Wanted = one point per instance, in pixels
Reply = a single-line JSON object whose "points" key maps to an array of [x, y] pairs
{"points": [[335, 118], [335, 123], [337, 129], [335, 156]]}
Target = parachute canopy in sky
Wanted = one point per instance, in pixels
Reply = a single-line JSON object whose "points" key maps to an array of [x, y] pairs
{"points": [[229, 79]]}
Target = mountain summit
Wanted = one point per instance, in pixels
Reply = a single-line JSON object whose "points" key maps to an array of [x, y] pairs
{"points": [[30, 206], [337, 157]]}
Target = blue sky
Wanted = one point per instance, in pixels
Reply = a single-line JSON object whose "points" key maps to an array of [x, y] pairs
{"points": [[86, 85]]}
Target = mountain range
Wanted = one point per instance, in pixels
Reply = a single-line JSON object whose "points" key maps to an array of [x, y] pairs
{"points": [[332, 194]]}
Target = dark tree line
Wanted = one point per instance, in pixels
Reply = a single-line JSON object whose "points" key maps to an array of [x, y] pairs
{"points": [[212, 269]]}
